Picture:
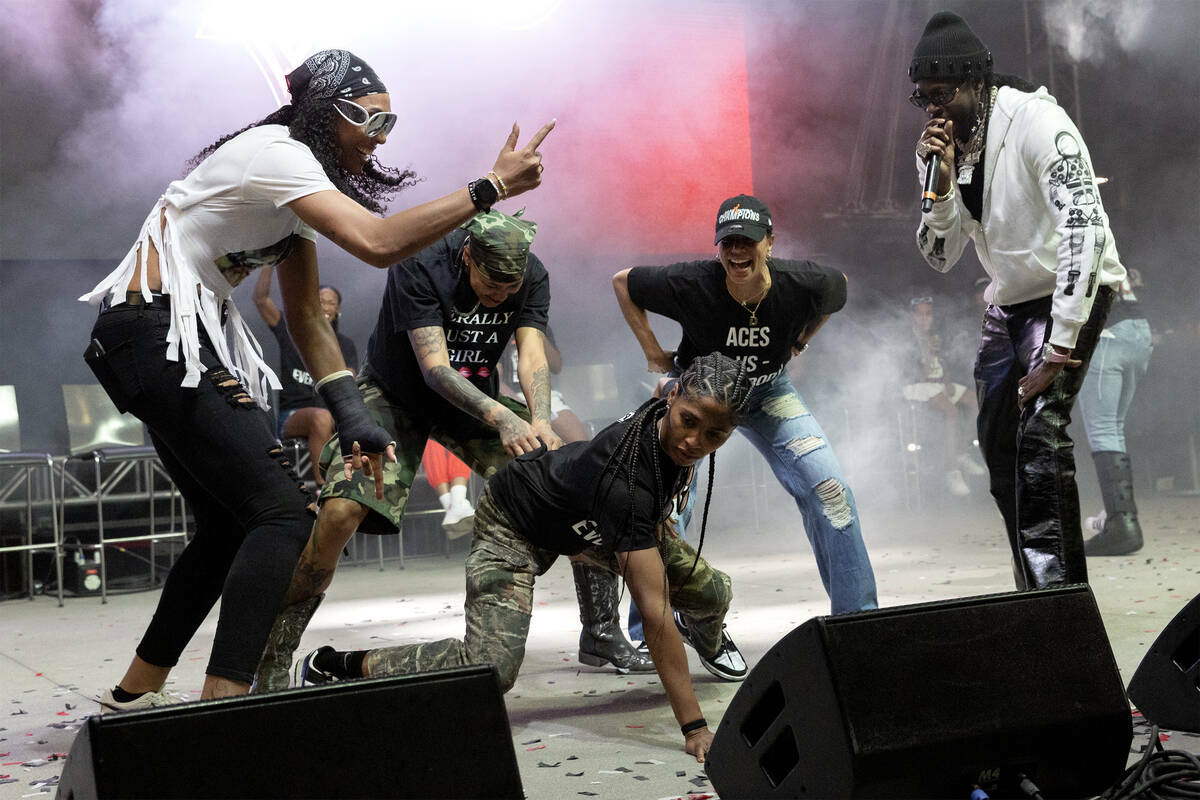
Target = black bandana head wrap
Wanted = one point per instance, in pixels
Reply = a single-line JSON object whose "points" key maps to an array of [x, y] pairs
{"points": [[333, 73]]}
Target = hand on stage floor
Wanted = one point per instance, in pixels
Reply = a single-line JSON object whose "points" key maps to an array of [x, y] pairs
{"points": [[697, 743]]}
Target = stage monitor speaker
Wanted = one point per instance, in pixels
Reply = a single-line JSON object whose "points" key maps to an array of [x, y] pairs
{"points": [[440, 734], [1166, 685], [931, 700]]}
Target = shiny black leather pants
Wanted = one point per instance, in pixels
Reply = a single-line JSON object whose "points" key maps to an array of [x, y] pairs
{"points": [[1030, 458]]}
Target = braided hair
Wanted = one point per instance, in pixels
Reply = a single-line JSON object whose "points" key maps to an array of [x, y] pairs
{"points": [[310, 120], [725, 380], [715, 376]]}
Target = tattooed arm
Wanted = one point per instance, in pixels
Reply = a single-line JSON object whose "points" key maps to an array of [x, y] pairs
{"points": [[429, 345], [533, 369]]}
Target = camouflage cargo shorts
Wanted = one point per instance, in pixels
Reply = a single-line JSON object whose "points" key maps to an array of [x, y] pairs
{"points": [[474, 442]]}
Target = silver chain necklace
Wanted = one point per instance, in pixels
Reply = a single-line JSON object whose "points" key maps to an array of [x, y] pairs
{"points": [[972, 151]]}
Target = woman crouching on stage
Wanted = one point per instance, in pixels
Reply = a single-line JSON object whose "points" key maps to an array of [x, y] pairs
{"points": [[606, 499]]}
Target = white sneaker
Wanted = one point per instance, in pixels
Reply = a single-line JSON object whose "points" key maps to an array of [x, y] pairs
{"points": [[459, 519], [1096, 524], [955, 483], [147, 700], [970, 466]]}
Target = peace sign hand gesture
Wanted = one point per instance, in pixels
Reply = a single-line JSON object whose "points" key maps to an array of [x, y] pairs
{"points": [[521, 170]]}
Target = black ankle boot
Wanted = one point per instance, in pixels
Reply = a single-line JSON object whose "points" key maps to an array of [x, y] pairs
{"points": [[1121, 534], [601, 640]]}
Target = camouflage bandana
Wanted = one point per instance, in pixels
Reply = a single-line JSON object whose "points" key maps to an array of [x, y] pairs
{"points": [[500, 244]]}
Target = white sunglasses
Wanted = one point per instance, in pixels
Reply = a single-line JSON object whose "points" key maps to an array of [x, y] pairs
{"points": [[377, 124]]}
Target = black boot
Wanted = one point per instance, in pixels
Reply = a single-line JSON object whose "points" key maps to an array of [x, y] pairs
{"points": [[601, 640], [1121, 533]]}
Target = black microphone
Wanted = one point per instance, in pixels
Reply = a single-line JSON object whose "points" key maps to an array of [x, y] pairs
{"points": [[929, 191]]}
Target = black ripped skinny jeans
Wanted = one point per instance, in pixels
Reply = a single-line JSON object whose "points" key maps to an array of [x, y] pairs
{"points": [[250, 508]]}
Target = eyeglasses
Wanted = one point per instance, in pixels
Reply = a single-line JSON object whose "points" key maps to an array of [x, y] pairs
{"points": [[918, 301], [938, 97], [378, 124]]}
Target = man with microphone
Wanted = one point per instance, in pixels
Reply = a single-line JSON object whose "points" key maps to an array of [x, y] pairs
{"points": [[1006, 167]]}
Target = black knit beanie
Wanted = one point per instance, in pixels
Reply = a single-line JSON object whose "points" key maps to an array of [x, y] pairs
{"points": [[949, 50]]}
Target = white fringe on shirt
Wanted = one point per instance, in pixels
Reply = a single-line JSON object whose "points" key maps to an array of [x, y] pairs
{"points": [[191, 300]]}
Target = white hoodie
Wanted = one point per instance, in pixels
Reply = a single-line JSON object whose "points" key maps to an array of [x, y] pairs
{"points": [[1044, 231]]}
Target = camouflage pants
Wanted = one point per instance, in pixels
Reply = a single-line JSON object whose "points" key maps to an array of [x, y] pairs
{"points": [[701, 596], [501, 570], [475, 442]]}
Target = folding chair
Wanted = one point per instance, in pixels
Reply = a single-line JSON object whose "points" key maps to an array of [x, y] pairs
{"points": [[108, 438], [25, 468]]}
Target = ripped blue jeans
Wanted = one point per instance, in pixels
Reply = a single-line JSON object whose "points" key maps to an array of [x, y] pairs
{"points": [[780, 426]]}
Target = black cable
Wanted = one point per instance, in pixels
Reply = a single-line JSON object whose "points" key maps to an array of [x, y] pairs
{"points": [[1159, 773]]}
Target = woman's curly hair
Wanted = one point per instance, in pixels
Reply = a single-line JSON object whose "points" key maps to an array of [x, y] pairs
{"points": [[311, 121]]}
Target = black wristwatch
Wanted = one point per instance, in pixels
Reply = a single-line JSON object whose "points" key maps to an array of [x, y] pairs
{"points": [[483, 194]]}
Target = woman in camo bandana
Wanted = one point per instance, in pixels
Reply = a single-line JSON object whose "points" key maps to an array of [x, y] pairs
{"points": [[171, 348]]}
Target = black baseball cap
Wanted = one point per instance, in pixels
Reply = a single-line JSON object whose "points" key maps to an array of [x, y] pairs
{"points": [[743, 216]]}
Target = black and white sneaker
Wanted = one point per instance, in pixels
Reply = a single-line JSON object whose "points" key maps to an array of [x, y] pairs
{"points": [[308, 674], [727, 664]]}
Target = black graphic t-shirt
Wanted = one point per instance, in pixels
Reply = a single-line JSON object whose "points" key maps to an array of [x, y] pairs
{"points": [[433, 288], [297, 391], [694, 295], [561, 502]]}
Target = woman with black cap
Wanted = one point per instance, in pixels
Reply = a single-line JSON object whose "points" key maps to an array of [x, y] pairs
{"points": [[761, 310], [170, 347]]}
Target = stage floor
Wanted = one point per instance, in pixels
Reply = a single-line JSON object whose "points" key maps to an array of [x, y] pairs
{"points": [[579, 731]]}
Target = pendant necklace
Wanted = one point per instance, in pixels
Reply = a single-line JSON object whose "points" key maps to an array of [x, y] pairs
{"points": [[972, 151], [754, 311]]}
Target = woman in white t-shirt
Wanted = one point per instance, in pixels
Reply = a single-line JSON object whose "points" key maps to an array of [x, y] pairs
{"points": [[170, 347]]}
